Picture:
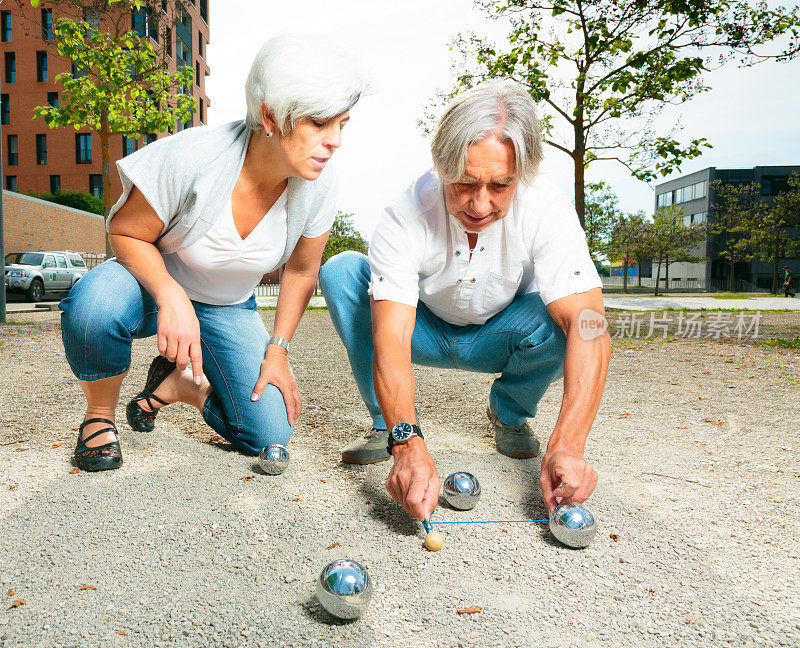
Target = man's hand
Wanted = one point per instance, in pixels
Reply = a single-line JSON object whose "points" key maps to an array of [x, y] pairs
{"points": [[567, 476], [275, 370], [413, 482]]}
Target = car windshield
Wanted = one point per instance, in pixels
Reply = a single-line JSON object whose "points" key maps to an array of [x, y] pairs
{"points": [[24, 258]]}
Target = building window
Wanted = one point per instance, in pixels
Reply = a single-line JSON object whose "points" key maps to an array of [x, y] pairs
{"points": [[96, 184], [197, 73], [150, 138], [204, 10], [201, 111], [92, 18], [77, 73], [183, 50], [52, 99], [5, 109], [168, 39], [199, 43], [11, 183], [5, 26], [55, 184], [128, 145], [47, 24], [83, 148], [664, 199], [164, 6], [143, 23], [11, 67], [12, 146], [41, 149], [41, 67], [700, 190]]}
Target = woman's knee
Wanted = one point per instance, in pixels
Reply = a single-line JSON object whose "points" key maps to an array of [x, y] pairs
{"points": [[263, 422]]}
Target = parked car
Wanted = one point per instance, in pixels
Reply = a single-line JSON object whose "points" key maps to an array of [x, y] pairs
{"points": [[35, 273]]}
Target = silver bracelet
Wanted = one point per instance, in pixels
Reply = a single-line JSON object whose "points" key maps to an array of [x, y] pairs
{"points": [[283, 342]]}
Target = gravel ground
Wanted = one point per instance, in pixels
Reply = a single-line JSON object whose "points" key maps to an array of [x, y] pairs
{"points": [[188, 544]]}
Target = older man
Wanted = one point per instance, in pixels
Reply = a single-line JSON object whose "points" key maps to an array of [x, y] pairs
{"points": [[481, 266]]}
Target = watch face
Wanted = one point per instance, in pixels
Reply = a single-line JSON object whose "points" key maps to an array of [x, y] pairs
{"points": [[402, 432]]}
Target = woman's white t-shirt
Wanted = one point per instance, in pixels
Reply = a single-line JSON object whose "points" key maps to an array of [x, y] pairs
{"points": [[223, 269]]}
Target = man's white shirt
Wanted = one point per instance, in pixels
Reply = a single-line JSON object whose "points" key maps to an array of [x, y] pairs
{"points": [[419, 252]]}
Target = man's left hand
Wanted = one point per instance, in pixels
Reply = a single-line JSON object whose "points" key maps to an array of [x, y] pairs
{"points": [[566, 476]]}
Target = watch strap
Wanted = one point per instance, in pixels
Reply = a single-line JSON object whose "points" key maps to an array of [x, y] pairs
{"points": [[416, 432]]}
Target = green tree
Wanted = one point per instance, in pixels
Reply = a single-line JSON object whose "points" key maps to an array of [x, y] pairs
{"points": [[778, 229], [670, 239], [122, 85], [625, 241], [739, 212], [75, 199], [602, 210], [343, 236], [604, 69]]}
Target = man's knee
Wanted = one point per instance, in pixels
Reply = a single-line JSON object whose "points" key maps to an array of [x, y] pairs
{"points": [[343, 269]]}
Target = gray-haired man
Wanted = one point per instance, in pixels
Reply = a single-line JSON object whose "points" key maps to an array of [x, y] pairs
{"points": [[484, 267]]}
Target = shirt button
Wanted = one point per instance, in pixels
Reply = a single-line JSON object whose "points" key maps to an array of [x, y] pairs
{"points": [[459, 281], [482, 248], [472, 280], [458, 252], [380, 278]]}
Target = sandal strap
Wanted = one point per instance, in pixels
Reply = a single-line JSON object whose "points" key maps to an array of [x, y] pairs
{"points": [[98, 433], [147, 397], [95, 420]]}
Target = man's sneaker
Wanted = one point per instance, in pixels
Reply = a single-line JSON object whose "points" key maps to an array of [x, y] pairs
{"points": [[515, 442], [371, 449]]}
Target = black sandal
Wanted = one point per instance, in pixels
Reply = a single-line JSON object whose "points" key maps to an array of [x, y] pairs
{"points": [[104, 457], [140, 419]]}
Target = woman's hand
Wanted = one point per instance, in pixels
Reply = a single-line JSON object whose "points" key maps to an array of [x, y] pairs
{"points": [[179, 332], [275, 370]]}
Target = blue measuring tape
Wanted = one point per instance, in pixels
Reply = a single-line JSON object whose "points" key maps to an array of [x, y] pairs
{"points": [[428, 524]]}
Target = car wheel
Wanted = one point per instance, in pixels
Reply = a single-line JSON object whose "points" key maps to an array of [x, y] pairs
{"points": [[35, 291]]}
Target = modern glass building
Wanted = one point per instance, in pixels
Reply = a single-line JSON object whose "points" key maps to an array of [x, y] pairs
{"points": [[694, 194]]}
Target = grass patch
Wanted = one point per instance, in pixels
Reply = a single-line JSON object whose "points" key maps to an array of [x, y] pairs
{"points": [[731, 296], [308, 308], [783, 343]]}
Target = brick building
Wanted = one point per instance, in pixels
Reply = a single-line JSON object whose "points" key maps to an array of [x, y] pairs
{"points": [[40, 159]]}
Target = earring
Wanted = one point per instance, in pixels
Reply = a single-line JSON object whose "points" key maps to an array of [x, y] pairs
{"points": [[269, 133]]}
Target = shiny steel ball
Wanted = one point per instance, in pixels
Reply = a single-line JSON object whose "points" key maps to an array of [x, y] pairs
{"points": [[461, 490], [573, 525], [273, 459], [344, 588]]}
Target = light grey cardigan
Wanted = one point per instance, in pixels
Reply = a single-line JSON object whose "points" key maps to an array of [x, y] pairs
{"points": [[188, 177]]}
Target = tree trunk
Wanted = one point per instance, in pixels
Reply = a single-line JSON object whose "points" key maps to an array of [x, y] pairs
{"points": [[106, 162], [777, 252], [732, 282], [625, 274], [666, 273], [658, 277], [579, 158]]}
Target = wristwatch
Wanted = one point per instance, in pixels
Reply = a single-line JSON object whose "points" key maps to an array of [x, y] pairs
{"points": [[402, 433]]}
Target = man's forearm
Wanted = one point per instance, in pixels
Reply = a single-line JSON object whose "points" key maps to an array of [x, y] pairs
{"points": [[393, 378], [585, 368]]}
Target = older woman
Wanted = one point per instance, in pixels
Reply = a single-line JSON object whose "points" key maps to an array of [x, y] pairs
{"points": [[203, 215]]}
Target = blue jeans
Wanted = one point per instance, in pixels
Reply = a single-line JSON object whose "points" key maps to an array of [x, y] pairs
{"points": [[108, 308], [522, 342]]}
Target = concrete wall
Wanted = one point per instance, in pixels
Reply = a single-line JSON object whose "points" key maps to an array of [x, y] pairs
{"points": [[31, 224]]}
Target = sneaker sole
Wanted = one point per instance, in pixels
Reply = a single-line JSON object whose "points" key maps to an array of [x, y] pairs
{"points": [[353, 459], [520, 454]]}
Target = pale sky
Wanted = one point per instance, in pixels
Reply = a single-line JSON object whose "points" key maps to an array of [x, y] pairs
{"points": [[750, 115]]}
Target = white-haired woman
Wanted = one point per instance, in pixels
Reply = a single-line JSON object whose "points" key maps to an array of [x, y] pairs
{"points": [[203, 215]]}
